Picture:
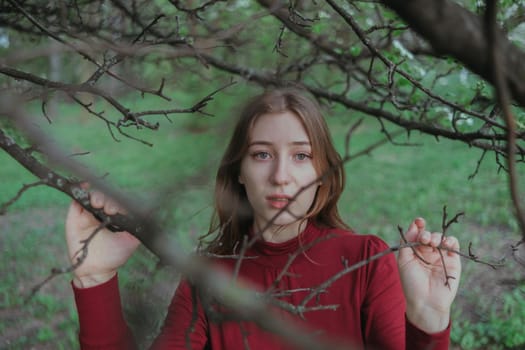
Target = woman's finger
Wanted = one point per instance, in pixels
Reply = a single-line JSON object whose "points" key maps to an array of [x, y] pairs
{"points": [[452, 244], [97, 199], [436, 239], [111, 207], [424, 237]]}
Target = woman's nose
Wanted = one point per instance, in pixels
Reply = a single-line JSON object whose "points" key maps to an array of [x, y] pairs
{"points": [[281, 172]]}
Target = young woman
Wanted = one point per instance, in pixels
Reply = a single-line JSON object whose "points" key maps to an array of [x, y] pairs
{"points": [[278, 184]]}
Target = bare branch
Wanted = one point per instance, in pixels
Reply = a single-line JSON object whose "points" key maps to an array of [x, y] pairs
{"points": [[468, 46], [494, 43], [3, 207], [471, 138], [195, 11]]}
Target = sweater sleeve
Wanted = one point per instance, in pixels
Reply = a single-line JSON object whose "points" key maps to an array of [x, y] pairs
{"points": [[185, 326], [103, 327], [418, 339], [384, 323], [102, 324]]}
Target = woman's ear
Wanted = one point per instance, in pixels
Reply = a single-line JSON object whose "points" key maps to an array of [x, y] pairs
{"points": [[240, 180]]}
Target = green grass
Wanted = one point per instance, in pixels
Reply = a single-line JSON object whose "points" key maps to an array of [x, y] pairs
{"points": [[387, 188]]}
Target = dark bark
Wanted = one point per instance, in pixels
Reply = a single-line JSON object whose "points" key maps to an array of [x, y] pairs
{"points": [[454, 31]]}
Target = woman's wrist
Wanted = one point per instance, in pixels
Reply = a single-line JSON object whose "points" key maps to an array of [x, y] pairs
{"points": [[427, 319], [92, 280]]}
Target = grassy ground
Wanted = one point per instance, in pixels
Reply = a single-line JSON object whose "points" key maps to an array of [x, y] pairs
{"points": [[385, 189]]}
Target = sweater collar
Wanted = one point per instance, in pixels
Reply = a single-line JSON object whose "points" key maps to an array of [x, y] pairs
{"points": [[287, 247]]}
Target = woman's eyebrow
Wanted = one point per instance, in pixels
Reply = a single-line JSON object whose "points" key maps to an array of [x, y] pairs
{"points": [[264, 143], [268, 143]]}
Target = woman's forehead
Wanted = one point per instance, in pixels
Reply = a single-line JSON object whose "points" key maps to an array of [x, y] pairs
{"points": [[278, 126]]}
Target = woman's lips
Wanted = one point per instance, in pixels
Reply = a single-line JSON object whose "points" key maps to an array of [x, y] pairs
{"points": [[278, 201]]}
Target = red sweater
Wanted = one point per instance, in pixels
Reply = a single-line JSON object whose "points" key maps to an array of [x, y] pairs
{"points": [[370, 312]]}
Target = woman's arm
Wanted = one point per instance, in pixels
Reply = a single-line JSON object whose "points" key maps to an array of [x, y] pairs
{"points": [[102, 325], [386, 324]]}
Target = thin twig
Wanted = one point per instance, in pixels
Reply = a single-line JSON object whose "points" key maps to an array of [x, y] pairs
{"points": [[25, 187], [79, 257]]}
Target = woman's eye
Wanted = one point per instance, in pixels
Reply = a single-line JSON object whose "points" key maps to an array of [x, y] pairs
{"points": [[261, 155], [302, 156]]}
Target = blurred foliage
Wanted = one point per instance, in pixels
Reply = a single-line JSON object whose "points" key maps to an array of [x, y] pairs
{"points": [[501, 327]]}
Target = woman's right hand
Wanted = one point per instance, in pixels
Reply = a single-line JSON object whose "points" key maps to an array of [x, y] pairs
{"points": [[106, 252]]}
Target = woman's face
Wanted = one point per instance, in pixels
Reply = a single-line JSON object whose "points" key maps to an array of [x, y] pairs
{"points": [[277, 165]]}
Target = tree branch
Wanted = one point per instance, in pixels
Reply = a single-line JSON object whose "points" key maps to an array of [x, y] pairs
{"points": [[438, 22]]}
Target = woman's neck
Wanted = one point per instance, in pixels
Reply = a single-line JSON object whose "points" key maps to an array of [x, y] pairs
{"points": [[281, 233]]}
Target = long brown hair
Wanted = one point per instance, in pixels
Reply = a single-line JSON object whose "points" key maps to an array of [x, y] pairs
{"points": [[233, 215]]}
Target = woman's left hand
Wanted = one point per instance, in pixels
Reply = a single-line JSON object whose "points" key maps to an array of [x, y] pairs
{"points": [[429, 291]]}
